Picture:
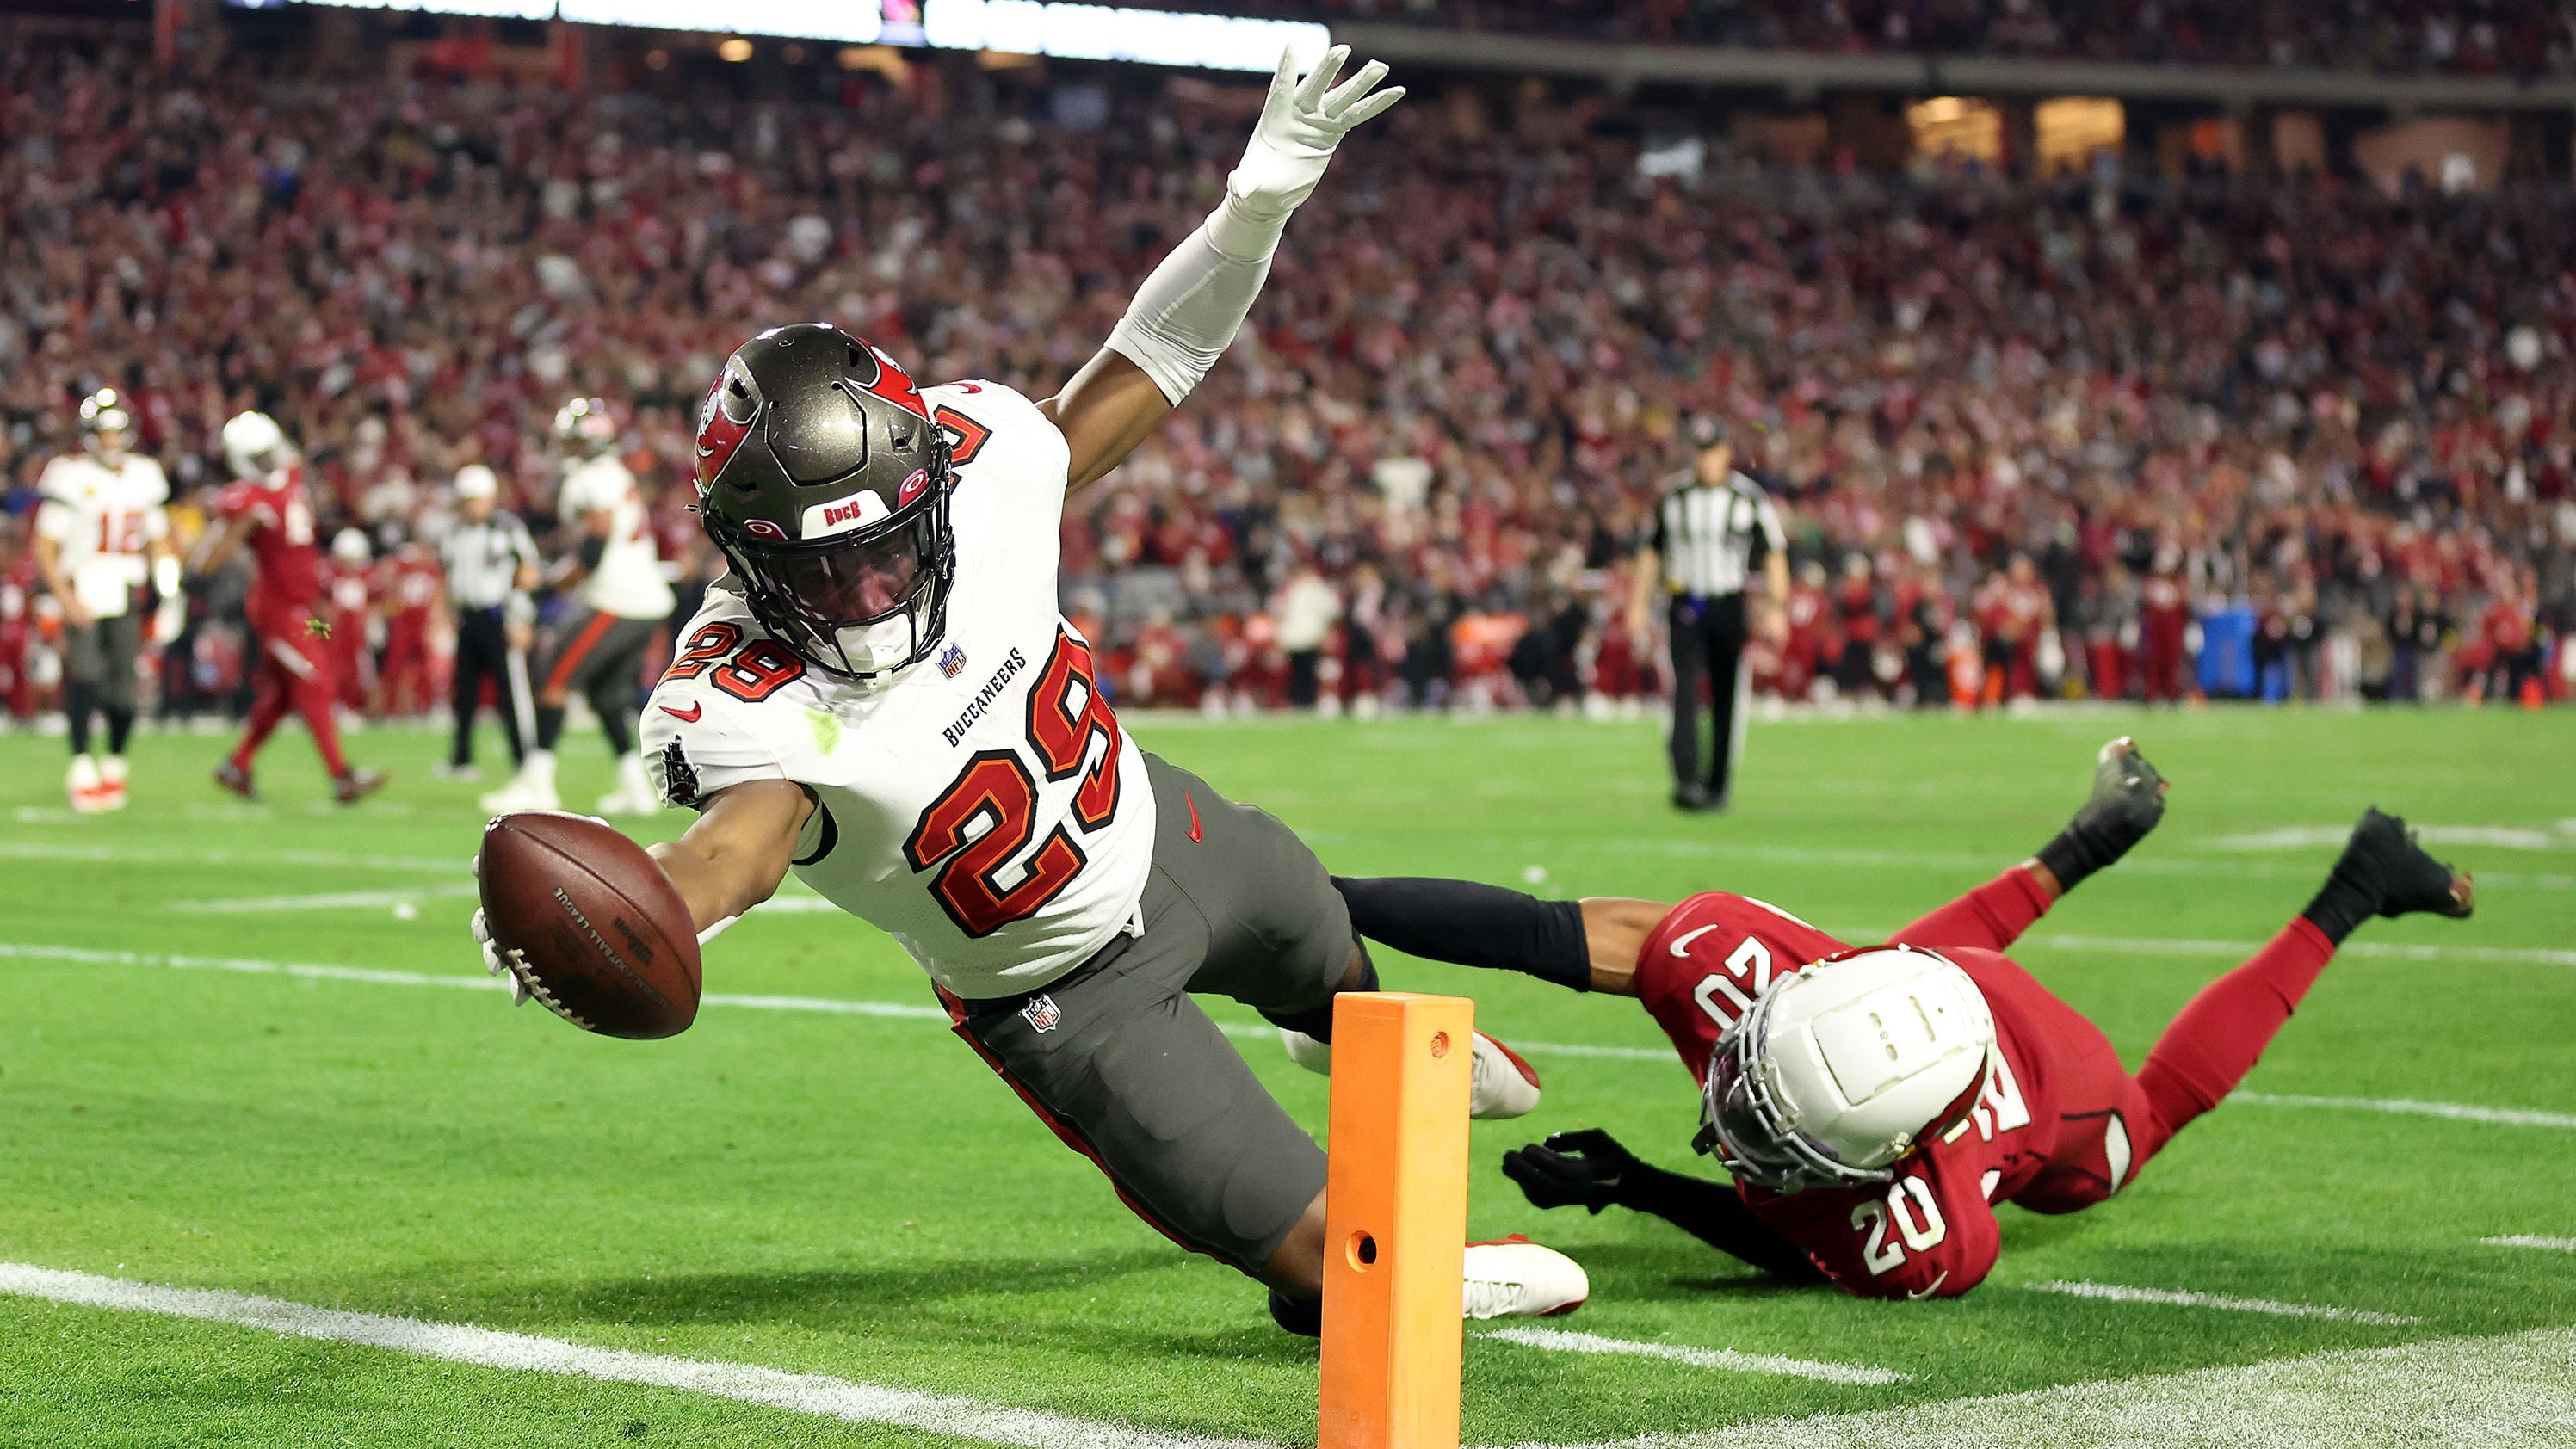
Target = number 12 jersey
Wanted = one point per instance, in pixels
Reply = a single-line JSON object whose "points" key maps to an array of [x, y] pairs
{"points": [[982, 806]]}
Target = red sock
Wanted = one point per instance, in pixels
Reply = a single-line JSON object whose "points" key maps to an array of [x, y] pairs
{"points": [[2218, 1037], [265, 712], [313, 701], [1989, 918]]}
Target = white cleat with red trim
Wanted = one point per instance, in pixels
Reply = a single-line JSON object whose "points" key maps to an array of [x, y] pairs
{"points": [[1516, 1278], [1500, 1084]]}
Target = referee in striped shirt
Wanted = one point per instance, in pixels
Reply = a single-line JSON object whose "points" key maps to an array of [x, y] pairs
{"points": [[491, 564], [1712, 528]]}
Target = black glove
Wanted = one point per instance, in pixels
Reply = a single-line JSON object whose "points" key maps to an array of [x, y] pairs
{"points": [[1571, 1167]]}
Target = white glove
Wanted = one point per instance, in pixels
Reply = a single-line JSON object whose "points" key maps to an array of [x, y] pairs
{"points": [[505, 964], [168, 620], [1301, 123]]}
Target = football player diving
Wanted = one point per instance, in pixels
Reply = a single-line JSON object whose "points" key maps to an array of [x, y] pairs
{"points": [[1872, 1105], [883, 696]]}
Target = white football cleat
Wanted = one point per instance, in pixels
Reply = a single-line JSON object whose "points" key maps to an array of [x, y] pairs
{"points": [[87, 792], [1516, 1278], [521, 793], [1315, 1056], [634, 794], [1500, 1084], [111, 783]]}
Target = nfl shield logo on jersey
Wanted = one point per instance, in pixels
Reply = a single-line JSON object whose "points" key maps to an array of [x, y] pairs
{"points": [[1042, 1013], [952, 662]]}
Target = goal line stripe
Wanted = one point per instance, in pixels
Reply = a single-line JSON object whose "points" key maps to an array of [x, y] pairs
{"points": [[818, 1395], [1562, 1340], [923, 1011], [2526, 1240]]}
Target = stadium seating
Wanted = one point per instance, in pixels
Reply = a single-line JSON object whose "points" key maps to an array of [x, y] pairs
{"points": [[2342, 425]]}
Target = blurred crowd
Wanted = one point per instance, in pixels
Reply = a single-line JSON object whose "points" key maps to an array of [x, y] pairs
{"points": [[2392, 37], [2074, 438]]}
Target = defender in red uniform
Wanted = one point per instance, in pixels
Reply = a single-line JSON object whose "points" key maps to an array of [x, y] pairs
{"points": [[1870, 1155], [267, 510]]}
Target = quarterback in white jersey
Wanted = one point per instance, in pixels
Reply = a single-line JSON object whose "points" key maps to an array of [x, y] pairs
{"points": [[102, 532], [598, 649], [882, 696]]}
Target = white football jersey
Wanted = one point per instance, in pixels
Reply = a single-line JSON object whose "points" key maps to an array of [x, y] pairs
{"points": [[629, 582], [104, 521], [981, 806]]}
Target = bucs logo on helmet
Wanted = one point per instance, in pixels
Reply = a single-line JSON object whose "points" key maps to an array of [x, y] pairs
{"points": [[724, 420]]}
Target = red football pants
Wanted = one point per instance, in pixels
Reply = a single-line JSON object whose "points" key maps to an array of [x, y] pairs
{"points": [[291, 672], [2115, 1122]]}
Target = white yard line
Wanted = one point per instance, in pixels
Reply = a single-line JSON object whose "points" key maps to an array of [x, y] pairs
{"points": [[2317, 837], [2525, 1240], [190, 855], [1567, 1341], [2240, 950], [2214, 866], [2180, 1298], [2456, 1111], [328, 901], [2513, 1389], [815, 1394], [1250, 1031]]}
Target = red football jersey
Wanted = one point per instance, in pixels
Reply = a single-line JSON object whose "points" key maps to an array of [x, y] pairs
{"points": [[281, 538], [411, 582], [1931, 1231]]}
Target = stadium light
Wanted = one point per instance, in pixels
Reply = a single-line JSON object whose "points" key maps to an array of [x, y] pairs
{"points": [[1017, 27], [803, 19]]}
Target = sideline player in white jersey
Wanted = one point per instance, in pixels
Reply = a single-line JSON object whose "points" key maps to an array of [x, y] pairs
{"points": [[883, 696], [102, 531], [625, 601]]}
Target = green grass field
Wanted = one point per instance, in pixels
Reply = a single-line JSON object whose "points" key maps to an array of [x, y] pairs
{"points": [[854, 1195]]}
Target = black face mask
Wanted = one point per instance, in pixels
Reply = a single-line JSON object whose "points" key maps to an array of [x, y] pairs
{"points": [[873, 579]]}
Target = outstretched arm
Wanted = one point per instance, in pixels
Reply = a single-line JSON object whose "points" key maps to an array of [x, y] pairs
{"points": [[738, 850], [1588, 945], [1187, 312], [1591, 1170]]}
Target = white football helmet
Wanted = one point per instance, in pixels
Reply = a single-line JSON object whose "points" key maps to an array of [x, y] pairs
{"points": [[106, 424], [254, 445], [1841, 1069], [349, 546]]}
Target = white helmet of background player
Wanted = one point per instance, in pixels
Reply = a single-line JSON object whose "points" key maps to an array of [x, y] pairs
{"points": [[106, 426], [585, 428], [349, 546], [1842, 1069], [254, 445]]}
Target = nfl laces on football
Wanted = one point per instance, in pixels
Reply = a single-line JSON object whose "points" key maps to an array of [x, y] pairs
{"points": [[589, 924]]}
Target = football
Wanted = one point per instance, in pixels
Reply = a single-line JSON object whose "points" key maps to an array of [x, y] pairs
{"points": [[590, 923]]}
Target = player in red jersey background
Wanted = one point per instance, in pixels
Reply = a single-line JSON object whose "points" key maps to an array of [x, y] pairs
{"points": [[411, 590], [268, 512], [2039, 1112], [353, 617]]}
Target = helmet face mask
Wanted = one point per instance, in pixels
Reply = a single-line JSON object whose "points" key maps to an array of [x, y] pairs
{"points": [[825, 484], [861, 604]]}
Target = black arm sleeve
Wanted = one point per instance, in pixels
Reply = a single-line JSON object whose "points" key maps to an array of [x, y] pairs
{"points": [[1712, 1213], [593, 549]]}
